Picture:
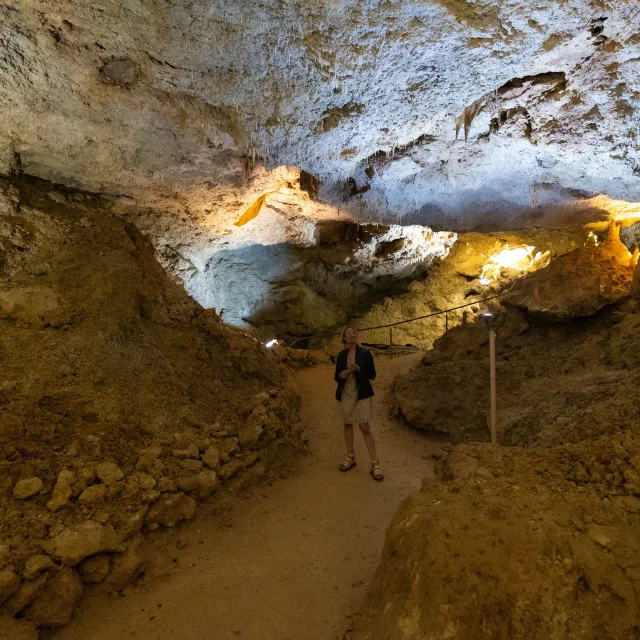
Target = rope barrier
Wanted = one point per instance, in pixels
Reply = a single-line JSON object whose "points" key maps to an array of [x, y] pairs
{"points": [[394, 324]]}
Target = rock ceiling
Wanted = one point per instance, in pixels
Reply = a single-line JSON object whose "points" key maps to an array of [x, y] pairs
{"points": [[440, 111]]}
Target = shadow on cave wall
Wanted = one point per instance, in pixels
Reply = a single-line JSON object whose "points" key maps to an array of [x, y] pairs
{"points": [[287, 291]]}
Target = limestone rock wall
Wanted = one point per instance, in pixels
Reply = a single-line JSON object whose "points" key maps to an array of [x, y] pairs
{"points": [[460, 278], [123, 403], [510, 543], [565, 358], [426, 108]]}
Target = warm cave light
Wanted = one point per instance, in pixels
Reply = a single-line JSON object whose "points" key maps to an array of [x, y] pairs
{"points": [[592, 239], [516, 259], [272, 343], [513, 258]]}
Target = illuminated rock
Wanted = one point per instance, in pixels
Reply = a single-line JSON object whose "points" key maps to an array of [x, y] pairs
{"points": [[579, 283]]}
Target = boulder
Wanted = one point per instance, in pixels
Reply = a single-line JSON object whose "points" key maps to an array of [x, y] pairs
{"points": [[211, 457], [148, 457], [9, 583], [36, 565], [230, 469], [249, 434], [14, 629], [26, 488], [132, 523], [95, 569], [94, 493], [109, 472], [448, 399], [127, 566], [171, 508], [62, 490], [55, 604], [73, 545], [207, 484], [505, 544], [599, 276]]}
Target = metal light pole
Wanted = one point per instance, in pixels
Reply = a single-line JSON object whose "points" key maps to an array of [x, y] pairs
{"points": [[488, 319]]}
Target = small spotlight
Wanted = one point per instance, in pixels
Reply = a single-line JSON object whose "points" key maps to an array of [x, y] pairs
{"points": [[272, 343], [487, 318], [484, 281]]}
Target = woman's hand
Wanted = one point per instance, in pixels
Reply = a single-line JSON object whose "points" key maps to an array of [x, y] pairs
{"points": [[345, 374], [354, 367]]}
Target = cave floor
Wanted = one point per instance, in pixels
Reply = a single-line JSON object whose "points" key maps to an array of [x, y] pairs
{"points": [[293, 560]]}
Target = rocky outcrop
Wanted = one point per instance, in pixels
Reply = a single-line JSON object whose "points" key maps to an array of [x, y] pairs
{"points": [[134, 416], [477, 266], [289, 273], [510, 543], [556, 382], [598, 276], [520, 106]]}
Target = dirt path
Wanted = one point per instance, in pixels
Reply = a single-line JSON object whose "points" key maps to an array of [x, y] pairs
{"points": [[293, 561]]}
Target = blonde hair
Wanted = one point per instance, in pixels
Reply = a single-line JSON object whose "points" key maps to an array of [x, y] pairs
{"points": [[344, 331]]}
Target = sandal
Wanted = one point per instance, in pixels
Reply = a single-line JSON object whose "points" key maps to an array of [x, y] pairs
{"points": [[348, 462], [376, 471]]}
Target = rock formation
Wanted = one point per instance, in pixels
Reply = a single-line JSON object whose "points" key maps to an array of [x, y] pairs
{"points": [[535, 537], [123, 403], [509, 543], [599, 276], [443, 108], [443, 113], [583, 370], [290, 165], [478, 266]]}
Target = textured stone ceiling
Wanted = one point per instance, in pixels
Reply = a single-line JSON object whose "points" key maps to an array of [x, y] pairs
{"points": [[446, 112]]}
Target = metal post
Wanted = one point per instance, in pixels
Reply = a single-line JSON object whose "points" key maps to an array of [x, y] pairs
{"points": [[492, 365]]}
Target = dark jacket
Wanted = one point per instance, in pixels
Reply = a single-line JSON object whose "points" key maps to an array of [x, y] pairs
{"points": [[367, 372]]}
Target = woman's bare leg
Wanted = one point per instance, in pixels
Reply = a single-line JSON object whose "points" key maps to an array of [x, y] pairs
{"points": [[348, 438], [368, 439]]}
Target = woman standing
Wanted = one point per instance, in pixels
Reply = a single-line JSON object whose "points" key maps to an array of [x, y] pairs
{"points": [[354, 371]]}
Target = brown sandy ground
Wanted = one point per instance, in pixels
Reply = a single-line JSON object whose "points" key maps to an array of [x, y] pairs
{"points": [[292, 561]]}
